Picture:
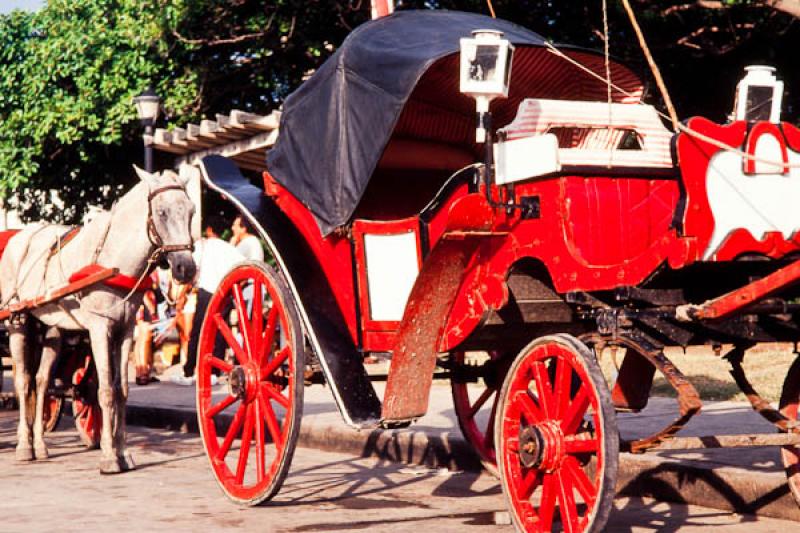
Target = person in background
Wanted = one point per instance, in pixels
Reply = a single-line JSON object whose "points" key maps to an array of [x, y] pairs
{"points": [[214, 258], [143, 336], [244, 240]]}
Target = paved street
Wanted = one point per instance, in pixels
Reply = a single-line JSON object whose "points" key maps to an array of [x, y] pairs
{"points": [[173, 490]]}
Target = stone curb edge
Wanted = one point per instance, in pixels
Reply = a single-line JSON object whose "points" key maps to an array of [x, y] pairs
{"points": [[688, 482]]}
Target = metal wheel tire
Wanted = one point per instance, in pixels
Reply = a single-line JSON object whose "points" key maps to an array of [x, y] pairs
{"points": [[790, 455], [557, 438], [262, 401], [85, 405], [476, 412]]}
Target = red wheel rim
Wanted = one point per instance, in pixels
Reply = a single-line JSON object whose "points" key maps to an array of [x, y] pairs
{"points": [[553, 441], [52, 411], [261, 386], [475, 410], [790, 455], [85, 407]]}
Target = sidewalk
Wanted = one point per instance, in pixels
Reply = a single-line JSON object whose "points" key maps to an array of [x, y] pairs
{"points": [[748, 480]]}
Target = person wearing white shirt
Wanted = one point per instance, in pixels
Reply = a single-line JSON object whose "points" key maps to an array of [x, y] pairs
{"points": [[244, 240]]}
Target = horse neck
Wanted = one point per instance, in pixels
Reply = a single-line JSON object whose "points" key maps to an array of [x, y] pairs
{"points": [[125, 244]]}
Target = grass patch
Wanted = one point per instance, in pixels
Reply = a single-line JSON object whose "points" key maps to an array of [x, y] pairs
{"points": [[765, 365]]}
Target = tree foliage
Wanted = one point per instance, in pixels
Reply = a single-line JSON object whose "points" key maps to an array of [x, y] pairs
{"points": [[68, 72]]}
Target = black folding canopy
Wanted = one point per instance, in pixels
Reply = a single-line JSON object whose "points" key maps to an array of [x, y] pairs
{"points": [[335, 127]]}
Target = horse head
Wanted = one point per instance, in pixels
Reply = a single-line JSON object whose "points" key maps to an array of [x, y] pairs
{"points": [[169, 221]]}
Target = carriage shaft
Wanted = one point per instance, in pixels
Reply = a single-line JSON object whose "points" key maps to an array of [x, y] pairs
{"points": [[729, 441]]}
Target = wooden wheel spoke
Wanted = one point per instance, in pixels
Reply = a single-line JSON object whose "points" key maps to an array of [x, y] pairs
{"points": [[257, 321], [547, 504], [274, 363], [566, 504], [244, 449], [488, 439], [529, 483], [574, 414], [579, 480], [214, 410], [544, 391], [244, 322], [227, 334], [218, 363], [562, 387], [530, 410], [275, 395], [268, 335], [272, 421], [236, 424], [260, 462], [577, 446], [474, 408]]}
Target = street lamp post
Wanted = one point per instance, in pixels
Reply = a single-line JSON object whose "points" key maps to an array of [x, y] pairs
{"points": [[148, 105]]}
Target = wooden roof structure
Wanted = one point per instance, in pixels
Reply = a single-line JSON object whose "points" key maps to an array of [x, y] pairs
{"points": [[241, 136]]}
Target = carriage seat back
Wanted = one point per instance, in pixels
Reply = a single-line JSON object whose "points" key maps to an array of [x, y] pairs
{"points": [[610, 219], [596, 133]]}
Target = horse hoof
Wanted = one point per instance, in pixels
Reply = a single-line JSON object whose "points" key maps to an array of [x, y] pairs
{"points": [[127, 462], [24, 454], [117, 465], [41, 452]]}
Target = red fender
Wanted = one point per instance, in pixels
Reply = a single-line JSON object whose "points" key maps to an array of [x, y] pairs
{"points": [[414, 357]]}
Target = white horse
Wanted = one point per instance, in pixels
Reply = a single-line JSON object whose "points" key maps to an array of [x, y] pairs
{"points": [[149, 223]]}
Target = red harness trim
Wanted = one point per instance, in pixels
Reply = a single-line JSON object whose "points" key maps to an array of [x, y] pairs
{"points": [[120, 281]]}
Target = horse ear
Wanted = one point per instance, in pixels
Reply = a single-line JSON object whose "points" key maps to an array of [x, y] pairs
{"points": [[143, 174]]}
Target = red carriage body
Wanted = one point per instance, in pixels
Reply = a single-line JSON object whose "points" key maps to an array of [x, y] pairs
{"points": [[639, 241]]}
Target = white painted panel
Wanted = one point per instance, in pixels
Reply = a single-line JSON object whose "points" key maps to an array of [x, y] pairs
{"points": [[392, 268], [525, 158], [759, 203]]}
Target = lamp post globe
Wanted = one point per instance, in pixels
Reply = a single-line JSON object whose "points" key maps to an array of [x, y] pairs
{"points": [[148, 105]]}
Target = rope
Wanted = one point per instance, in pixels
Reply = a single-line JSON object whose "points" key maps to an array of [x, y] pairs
{"points": [[653, 67], [491, 9], [607, 53], [681, 127]]}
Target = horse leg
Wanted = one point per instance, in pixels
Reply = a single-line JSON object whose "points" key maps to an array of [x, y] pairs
{"points": [[121, 398], [50, 350], [21, 355], [99, 337]]}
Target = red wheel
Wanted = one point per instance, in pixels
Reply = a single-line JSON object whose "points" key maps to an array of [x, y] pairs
{"points": [[557, 438], [475, 407], [264, 383], [790, 455], [85, 406], [53, 409]]}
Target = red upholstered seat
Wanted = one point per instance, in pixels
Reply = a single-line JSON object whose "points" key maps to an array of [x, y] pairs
{"points": [[120, 281], [5, 236]]}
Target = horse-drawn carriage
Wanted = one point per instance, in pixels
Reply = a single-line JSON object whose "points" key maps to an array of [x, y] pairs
{"points": [[587, 224]]}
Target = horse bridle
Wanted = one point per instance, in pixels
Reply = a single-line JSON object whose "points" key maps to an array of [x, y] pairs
{"points": [[152, 233]]}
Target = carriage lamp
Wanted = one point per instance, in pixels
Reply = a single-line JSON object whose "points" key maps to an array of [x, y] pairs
{"points": [[148, 105], [485, 72], [759, 95]]}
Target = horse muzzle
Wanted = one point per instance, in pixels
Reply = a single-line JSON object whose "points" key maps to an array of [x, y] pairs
{"points": [[182, 266]]}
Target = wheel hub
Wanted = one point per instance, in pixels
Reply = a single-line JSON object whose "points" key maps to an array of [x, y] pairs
{"points": [[542, 446], [237, 382]]}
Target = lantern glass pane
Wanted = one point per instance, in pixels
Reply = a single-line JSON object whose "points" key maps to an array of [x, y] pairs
{"points": [[483, 66], [759, 102]]}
